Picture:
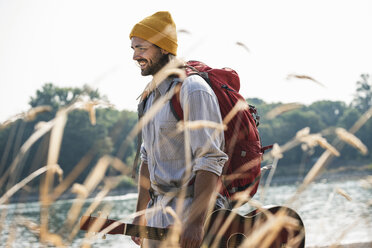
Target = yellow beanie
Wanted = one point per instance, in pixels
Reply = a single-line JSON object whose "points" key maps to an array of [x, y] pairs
{"points": [[159, 29]]}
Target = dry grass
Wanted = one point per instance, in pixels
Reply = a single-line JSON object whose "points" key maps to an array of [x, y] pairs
{"points": [[4, 198], [283, 108], [27, 116], [263, 233], [181, 126], [304, 77], [244, 46], [351, 139], [344, 194]]}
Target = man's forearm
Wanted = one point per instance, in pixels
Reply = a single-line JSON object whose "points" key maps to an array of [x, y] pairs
{"points": [[193, 231], [204, 189], [143, 198], [143, 187]]}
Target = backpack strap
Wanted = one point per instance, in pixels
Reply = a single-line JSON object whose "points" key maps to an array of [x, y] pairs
{"points": [[175, 104], [135, 162], [256, 117], [140, 110], [263, 149]]}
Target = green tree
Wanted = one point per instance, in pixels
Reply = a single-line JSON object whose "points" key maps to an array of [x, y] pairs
{"points": [[329, 111], [80, 136], [119, 124], [57, 97], [365, 134], [363, 96], [350, 116]]}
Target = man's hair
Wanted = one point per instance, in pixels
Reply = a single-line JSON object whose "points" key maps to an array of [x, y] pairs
{"points": [[170, 57], [165, 59]]}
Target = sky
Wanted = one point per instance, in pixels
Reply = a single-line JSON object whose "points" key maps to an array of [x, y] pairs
{"points": [[75, 42]]}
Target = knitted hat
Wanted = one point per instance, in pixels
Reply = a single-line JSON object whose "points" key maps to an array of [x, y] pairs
{"points": [[159, 29]]}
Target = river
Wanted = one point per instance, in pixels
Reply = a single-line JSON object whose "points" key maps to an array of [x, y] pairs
{"points": [[328, 216]]}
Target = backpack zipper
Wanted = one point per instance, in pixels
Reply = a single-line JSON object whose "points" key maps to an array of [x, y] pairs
{"points": [[252, 109], [227, 89], [224, 86]]}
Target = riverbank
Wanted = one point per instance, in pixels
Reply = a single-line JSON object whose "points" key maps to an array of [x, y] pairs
{"points": [[23, 197], [337, 170]]}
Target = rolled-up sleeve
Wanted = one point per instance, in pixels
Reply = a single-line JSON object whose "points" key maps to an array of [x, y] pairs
{"points": [[207, 144], [143, 154]]}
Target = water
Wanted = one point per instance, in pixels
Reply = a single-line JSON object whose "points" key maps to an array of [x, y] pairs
{"points": [[328, 217], [326, 214]]}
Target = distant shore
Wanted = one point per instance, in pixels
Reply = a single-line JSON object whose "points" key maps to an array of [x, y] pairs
{"points": [[33, 197]]}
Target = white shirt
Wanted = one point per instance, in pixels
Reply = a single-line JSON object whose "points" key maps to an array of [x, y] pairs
{"points": [[163, 147]]}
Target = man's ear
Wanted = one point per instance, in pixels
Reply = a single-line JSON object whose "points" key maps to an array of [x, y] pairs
{"points": [[164, 52]]}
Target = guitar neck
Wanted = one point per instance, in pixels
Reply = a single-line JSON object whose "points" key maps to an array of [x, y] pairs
{"points": [[239, 227], [95, 224]]}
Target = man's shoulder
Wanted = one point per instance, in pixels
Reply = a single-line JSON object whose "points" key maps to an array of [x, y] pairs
{"points": [[194, 83]]}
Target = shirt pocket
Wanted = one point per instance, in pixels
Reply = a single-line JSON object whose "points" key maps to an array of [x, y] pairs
{"points": [[171, 142]]}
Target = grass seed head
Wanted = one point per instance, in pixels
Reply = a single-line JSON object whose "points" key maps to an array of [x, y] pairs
{"points": [[79, 189], [303, 132], [32, 113], [343, 193], [297, 76], [276, 152], [241, 44], [352, 140], [324, 144], [282, 109]]}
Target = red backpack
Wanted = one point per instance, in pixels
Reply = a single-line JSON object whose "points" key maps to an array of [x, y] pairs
{"points": [[242, 141]]}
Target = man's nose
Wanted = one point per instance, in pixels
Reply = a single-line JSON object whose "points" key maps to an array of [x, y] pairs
{"points": [[136, 55]]}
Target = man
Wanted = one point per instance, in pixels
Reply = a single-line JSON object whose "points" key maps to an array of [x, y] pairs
{"points": [[163, 167]]}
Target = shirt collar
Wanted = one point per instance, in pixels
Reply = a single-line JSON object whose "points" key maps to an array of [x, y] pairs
{"points": [[164, 86]]}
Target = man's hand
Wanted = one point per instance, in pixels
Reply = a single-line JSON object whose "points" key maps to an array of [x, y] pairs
{"points": [[192, 235], [193, 230], [139, 220]]}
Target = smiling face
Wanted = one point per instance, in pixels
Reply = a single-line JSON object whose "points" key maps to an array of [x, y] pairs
{"points": [[149, 57]]}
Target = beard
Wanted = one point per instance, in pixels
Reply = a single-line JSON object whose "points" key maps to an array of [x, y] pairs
{"points": [[154, 65]]}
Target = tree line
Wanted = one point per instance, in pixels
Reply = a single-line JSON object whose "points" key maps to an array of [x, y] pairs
{"points": [[81, 139]]}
